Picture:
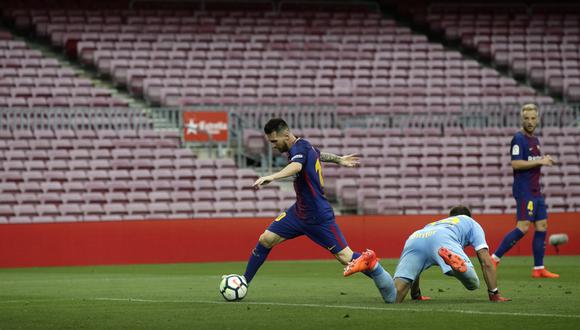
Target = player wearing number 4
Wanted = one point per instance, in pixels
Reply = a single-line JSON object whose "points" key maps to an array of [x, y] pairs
{"points": [[530, 205], [312, 214], [441, 243]]}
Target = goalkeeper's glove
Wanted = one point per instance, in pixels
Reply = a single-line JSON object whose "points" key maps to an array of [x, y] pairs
{"points": [[496, 297]]}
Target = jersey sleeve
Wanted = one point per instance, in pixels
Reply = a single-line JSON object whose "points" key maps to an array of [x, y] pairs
{"points": [[477, 237], [517, 149], [298, 153]]}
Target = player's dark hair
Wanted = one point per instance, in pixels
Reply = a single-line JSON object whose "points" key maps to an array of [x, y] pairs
{"points": [[460, 210], [275, 125]]}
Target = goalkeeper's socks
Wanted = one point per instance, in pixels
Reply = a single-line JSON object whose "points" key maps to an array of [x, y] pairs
{"points": [[508, 242], [257, 258], [384, 283], [539, 247]]}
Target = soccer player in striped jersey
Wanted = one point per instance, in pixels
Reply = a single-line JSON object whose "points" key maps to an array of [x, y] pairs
{"points": [[312, 214], [527, 161]]}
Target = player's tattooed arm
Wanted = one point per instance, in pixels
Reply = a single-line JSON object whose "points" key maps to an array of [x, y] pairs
{"points": [[329, 158], [346, 161]]}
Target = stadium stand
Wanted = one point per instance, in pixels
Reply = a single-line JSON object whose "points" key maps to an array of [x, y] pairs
{"points": [[358, 60], [474, 170], [28, 79], [136, 174], [537, 42], [355, 63]]}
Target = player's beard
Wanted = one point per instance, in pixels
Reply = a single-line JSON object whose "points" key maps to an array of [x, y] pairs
{"points": [[283, 149], [529, 130]]}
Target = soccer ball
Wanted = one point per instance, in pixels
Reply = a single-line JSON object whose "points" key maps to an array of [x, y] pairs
{"points": [[233, 287]]}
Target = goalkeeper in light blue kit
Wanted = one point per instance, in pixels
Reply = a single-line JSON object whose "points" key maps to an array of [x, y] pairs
{"points": [[441, 243]]}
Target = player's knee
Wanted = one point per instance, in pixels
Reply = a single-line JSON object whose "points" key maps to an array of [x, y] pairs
{"points": [[267, 240], [524, 227], [472, 284], [390, 298], [542, 226]]}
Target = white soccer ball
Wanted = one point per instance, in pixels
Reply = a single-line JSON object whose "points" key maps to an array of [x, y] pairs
{"points": [[558, 239], [233, 287]]}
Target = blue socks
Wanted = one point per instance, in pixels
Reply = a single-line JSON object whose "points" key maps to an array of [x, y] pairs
{"points": [[539, 247], [259, 255], [380, 276], [508, 242], [384, 283]]}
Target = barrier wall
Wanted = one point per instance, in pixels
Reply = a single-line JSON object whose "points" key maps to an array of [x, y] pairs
{"points": [[165, 241]]}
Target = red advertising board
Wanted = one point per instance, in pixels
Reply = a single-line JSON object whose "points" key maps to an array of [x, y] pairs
{"points": [[203, 126], [171, 241]]}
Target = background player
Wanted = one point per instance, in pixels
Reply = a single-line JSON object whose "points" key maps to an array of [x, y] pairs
{"points": [[312, 214], [441, 243], [530, 205]]}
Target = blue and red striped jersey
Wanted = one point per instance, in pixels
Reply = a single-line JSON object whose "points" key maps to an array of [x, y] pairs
{"points": [[526, 182], [311, 203]]}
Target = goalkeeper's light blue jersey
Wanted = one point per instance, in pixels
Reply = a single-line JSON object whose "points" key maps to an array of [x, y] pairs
{"points": [[461, 229], [421, 248]]}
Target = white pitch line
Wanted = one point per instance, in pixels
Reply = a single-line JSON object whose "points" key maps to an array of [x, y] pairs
{"points": [[460, 311], [33, 300]]}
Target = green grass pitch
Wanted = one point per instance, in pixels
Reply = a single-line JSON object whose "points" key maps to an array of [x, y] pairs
{"points": [[284, 295]]}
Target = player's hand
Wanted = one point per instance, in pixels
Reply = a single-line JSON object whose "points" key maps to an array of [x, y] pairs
{"points": [[421, 298], [352, 160], [262, 181], [416, 295], [496, 297], [549, 160]]}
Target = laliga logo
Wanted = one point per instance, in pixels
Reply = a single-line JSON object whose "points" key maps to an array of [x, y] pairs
{"points": [[209, 128]]}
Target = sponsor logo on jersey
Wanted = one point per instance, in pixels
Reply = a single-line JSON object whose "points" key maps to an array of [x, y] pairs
{"points": [[515, 150], [299, 156]]}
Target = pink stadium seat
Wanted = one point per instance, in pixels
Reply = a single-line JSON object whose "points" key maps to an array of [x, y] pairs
{"points": [[114, 211], [27, 198], [116, 198], [30, 187], [225, 195], [137, 210], [181, 210], [158, 210], [50, 198], [245, 209], [225, 208], [245, 195], [388, 207], [160, 196]]}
